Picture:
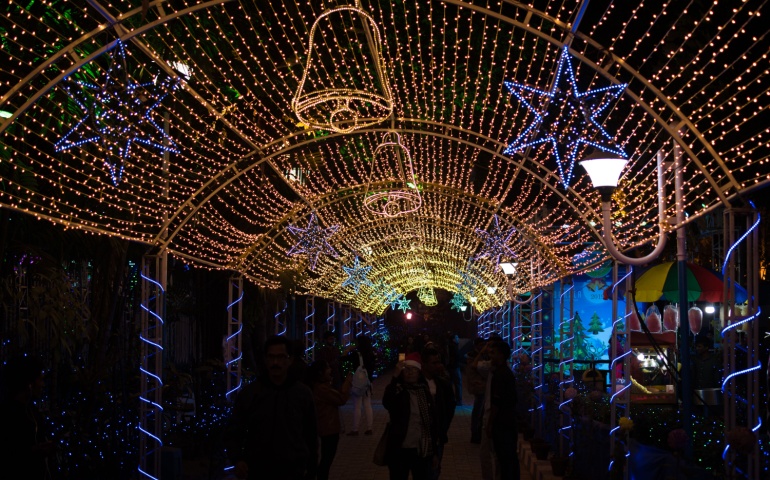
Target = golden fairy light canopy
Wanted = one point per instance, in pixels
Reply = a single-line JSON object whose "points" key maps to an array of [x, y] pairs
{"points": [[239, 166]]}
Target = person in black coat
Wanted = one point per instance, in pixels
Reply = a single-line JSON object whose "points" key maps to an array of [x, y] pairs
{"points": [[443, 400], [412, 439]]}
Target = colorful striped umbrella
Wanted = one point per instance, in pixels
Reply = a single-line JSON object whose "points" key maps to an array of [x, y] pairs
{"points": [[662, 281]]}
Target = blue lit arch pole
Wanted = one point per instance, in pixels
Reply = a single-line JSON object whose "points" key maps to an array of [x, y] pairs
{"points": [[740, 355], [153, 306], [310, 329], [620, 366], [234, 340], [566, 339], [538, 367]]}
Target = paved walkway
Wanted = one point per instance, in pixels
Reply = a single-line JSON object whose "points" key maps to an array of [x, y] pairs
{"points": [[354, 455]]}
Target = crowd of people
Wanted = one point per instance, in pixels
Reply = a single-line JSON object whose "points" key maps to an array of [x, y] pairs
{"points": [[281, 421]]}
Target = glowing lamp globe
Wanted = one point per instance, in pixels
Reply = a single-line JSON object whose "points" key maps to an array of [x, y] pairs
{"points": [[604, 170]]}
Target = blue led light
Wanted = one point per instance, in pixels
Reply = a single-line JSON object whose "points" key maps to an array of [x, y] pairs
{"points": [[357, 275], [313, 240], [309, 332], [569, 126], [119, 115], [280, 326], [496, 242]]}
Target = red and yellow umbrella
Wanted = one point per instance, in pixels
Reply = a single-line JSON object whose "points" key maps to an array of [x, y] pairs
{"points": [[662, 281]]}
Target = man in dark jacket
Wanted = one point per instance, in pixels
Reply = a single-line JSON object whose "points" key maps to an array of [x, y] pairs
{"points": [[443, 400], [272, 432], [501, 426]]}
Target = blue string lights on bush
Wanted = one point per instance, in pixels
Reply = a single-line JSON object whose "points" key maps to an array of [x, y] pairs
{"points": [[119, 114], [496, 242], [313, 240], [567, 118], [357, 275]]}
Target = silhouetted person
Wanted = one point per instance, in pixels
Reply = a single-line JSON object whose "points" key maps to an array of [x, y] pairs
{"points": [[476, 381], [706, 367], [362, 394], [454, 364], [328, 401], [443, 400], [501, 426], [272, 433], [413, 433], [24, 451], [331, 355]]}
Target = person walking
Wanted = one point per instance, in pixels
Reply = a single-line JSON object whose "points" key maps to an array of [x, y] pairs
{"points": [[362, 360], [476, 381], [443, 401], [331, 354], [413, 435], [328, 401], [454, 367], [501, 426], [272, 433]]}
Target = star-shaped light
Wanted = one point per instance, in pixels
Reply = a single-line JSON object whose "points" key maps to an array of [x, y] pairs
{"points": [[496, 242], [119, 114], [394, 298], [403, 303], [313, 240], [457, 302], [567, 119], [379, 289], [357, 276], [469, 283]]}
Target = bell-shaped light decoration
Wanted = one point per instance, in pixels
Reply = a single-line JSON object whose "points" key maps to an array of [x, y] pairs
{"points": [[391, 188], [427, 296], [343, 85], [604, 170]]}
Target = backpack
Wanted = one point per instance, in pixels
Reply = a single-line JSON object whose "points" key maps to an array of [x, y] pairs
{"points": [[360, 383]]}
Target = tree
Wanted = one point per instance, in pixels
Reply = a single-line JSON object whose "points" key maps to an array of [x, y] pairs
{"points": [[579, 334], [596, 324]]}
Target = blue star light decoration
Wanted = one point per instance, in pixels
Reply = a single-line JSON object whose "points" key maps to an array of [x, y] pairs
{"points": [[469, 283], [380, 289], [496, 242], [119, 114], [457, 302], [357, 276], [313, 240], [403, 303], [568, 120]]}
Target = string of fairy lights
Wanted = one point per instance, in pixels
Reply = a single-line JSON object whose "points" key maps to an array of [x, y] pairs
{"points": [[247, 171]]}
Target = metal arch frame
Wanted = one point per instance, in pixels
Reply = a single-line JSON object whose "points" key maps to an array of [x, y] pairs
{"points": [[672, 130], [252, 253], [563, 26]]}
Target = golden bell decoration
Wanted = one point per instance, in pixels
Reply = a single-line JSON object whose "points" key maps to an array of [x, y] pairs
{"points": [[391, 188], [343, 85], [427, 296]]}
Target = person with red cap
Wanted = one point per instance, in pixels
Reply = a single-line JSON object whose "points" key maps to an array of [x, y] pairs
{"points": [[411, 444]]}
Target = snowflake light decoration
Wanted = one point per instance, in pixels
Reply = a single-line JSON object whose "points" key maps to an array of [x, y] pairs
{"points": [[569, 126], [357, 276], [496, 242], [403, 303], [457, 302], [120, 115], [380, 289], [313, 240], [469, 283]]}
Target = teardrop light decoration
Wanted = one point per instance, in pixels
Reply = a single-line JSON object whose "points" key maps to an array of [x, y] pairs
{"points": [[343, 86]]}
